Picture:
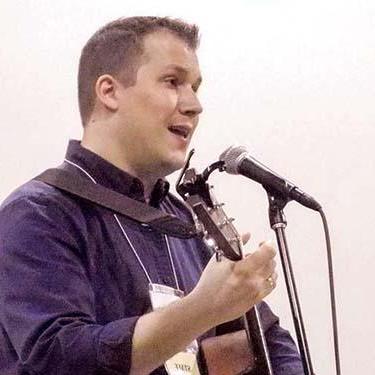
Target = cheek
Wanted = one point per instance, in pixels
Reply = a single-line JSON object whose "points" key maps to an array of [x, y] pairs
{"points": [[163, 105]]}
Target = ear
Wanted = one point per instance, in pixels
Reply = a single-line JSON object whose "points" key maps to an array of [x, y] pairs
{"points": [[106, 91]]}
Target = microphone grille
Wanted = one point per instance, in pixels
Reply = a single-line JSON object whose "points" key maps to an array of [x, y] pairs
{"points": [[232, 158]]}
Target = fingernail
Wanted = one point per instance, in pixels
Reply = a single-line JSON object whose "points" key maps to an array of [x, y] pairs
{"points": [[270, 243]]}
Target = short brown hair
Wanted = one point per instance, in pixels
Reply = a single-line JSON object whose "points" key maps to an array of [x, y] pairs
{"points": [[116, 49]]}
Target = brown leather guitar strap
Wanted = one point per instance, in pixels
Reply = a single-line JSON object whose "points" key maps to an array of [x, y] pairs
{"points": [[118, 203]]}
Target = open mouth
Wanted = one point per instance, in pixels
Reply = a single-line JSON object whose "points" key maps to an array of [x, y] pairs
{"points": [[180, 130]]}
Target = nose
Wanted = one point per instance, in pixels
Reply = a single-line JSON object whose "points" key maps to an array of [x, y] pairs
{"points": [[189, 104]]}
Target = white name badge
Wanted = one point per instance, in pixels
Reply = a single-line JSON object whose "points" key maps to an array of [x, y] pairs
{"points": [[185, 362]]}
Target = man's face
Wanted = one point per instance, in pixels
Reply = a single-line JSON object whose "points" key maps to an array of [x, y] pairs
{"points": [[158, 115]]}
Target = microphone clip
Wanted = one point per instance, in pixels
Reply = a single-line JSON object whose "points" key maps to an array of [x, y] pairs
{"points": [[191, 183], [277, 203]]}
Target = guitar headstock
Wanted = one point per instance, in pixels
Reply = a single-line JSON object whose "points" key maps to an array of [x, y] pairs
{"points": [[218, 231], [216, 227]]}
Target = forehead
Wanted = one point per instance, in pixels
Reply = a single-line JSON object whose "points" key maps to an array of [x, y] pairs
{"points": [[162, 49]]}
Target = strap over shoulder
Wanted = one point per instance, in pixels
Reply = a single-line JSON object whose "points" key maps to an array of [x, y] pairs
{"points": [[118, 203]]}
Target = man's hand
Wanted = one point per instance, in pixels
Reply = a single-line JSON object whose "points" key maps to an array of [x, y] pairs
{"points": [[225, 291], [228, 289]]}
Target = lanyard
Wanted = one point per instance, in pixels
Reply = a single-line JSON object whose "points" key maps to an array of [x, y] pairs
{"points": [[127, 237]]}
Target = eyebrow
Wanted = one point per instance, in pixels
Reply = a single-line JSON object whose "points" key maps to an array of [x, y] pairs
{"points": [[185, 71]]}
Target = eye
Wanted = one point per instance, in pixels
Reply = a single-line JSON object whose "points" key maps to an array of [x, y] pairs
{"points": [[172, 81], [195, 88]]}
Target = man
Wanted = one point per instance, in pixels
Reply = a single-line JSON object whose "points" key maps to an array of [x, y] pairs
{"points": [[75, 278]]}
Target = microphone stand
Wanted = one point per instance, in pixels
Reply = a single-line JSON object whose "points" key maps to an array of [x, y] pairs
{"points": [[278, 224]]}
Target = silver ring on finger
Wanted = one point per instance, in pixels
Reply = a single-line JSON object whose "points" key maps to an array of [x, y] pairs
{"points": [[270, 282]]}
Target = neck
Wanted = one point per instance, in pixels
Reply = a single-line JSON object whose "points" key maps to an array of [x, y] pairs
{"points": [[114, 155]]}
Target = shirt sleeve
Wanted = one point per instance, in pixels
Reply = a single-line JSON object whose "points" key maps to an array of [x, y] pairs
{"points": [[47, 309], [284, 356]]}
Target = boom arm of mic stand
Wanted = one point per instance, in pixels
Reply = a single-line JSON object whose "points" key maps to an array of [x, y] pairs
{"points": [[278, 224]]}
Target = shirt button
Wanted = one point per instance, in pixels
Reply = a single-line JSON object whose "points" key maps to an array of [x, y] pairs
{"points": [[167, 280]]}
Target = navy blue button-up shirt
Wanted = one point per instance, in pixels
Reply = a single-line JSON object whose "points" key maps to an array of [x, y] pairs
{"points": [[71, 287]]}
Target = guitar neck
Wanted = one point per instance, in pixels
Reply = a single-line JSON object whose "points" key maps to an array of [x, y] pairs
{"points": [[257, 341], [222, 237]]}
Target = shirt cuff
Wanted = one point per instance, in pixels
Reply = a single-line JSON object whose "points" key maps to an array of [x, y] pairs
{"points": [[114, 347]]}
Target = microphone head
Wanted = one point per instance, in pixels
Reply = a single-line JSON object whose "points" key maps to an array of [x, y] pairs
{"points": [[232, 158]]}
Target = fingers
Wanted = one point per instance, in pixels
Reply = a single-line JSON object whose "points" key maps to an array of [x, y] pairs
{"points": [[263, 254], [231, 288], [245, 238], [271, 281], [269, 245], [269, 268], [260, 267]]}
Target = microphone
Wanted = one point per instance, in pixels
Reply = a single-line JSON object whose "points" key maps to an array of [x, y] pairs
{"points": [[238, 161]]}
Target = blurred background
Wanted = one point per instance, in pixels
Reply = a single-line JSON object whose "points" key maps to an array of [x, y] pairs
{"points": [[293, 80]]}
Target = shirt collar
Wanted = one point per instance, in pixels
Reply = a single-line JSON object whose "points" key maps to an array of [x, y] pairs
{"points": [[112, 177]]}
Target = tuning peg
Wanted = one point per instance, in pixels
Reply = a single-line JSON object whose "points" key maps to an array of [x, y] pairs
{"points": [[234, 241], [219, 255], [218, 205], [200, 227], [223, 224], [211, 243], [226, 222]]}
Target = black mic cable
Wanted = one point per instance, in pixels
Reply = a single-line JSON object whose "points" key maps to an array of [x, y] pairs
{"points": [[332, 291]]}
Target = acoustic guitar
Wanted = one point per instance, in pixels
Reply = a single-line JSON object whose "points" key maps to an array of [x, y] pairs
{"points": [[243, 352]]}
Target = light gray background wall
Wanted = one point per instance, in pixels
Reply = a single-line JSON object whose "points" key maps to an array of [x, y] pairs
{"points": [[292, 80]]}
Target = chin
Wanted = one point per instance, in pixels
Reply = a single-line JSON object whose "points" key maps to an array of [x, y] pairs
{"points": [[172, 165]]}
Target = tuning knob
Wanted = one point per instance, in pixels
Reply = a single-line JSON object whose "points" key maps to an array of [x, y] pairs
{"points": [[219, 205], [211, 243]]}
